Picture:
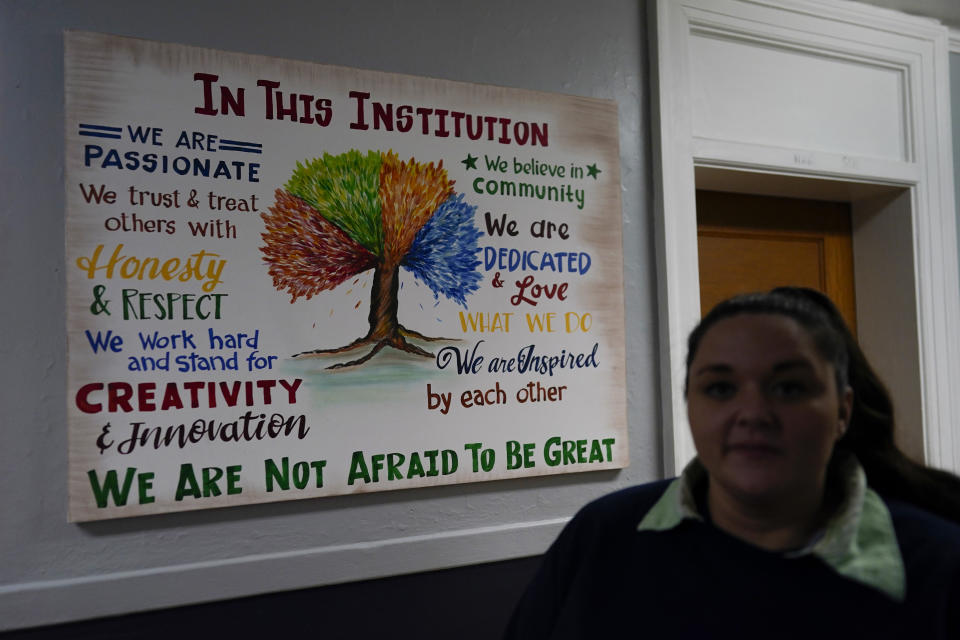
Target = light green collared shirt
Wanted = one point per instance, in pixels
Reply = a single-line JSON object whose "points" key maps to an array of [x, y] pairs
{"points": [[858, 541]]}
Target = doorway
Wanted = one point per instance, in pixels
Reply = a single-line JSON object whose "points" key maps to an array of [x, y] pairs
{"points": [[755, 243], [717, 128]]}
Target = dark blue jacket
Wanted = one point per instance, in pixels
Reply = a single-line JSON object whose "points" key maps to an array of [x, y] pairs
{"points": [[602, 578]]}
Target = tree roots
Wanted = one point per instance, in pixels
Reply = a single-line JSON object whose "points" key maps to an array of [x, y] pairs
{"points": [[398, 340]]}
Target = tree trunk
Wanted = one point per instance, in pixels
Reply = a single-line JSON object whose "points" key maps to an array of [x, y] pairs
{"points": [[384, 303], [385, 329]]}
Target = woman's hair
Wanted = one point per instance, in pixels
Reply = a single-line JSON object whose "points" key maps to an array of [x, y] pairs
{"points": [[829, 343], [870, 432]]}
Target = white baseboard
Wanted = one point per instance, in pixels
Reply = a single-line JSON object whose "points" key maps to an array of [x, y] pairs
{"points": [[46, 602]]}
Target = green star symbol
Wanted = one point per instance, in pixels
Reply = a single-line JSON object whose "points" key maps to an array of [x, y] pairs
{"points": [[470, 162], [592, 171]]}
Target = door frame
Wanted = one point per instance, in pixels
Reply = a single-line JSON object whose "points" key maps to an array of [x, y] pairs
{"points": [[904, 221]]}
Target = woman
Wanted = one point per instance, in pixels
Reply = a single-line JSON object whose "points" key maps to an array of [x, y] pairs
{"points": [[771, 531]]}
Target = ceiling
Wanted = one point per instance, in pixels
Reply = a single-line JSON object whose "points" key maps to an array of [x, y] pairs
{"points": [[946, 11]]}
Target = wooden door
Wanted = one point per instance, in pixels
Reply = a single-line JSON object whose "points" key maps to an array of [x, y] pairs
{"points": [[754, 243]]}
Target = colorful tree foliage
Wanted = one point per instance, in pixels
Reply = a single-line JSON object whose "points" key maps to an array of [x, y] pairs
{"points": [[341, 215]]}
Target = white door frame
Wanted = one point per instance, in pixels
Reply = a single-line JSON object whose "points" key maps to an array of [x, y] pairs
{"points": [[905, 242]]}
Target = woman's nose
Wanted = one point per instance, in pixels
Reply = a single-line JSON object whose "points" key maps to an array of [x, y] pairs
{"points": [[753, 407]]}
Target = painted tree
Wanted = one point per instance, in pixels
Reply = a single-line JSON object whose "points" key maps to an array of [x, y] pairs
{"points": [[341, 215]]}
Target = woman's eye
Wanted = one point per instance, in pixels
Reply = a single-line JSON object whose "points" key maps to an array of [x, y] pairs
{"points": [[719, 390]]}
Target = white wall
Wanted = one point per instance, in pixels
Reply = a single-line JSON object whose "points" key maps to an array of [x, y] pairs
{"points": [[53, 571]]}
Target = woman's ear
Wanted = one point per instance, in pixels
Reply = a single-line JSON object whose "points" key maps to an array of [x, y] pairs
{"points": [[846, 409]]}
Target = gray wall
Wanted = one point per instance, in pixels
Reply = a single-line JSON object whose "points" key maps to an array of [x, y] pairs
{"points": [[955, 127], [51, 570]]}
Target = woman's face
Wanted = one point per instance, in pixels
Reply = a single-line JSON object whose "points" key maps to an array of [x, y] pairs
{"points": [[764, 409]]}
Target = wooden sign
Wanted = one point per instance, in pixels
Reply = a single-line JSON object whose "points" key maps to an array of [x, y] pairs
{"points": [[289, 280]]}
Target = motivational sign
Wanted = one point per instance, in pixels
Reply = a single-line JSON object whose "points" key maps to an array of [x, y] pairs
{"points": [[288, 280]]}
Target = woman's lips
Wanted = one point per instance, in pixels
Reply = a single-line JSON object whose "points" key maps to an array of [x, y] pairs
{"points": [[753, 448]]}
